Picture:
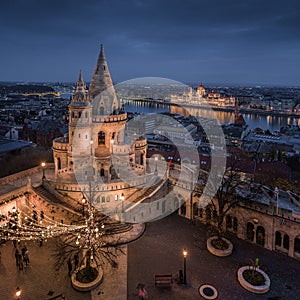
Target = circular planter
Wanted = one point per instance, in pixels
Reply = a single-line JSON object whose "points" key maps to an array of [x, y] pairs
{"points": [[85, 287], [218, 252], [260, 289], [208, 291]]}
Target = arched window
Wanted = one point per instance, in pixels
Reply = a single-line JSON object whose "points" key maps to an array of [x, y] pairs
{"points": [[277, 238], [42, 214], [101, 138], [260, 235], [297, 245], [286, 242], [141, 159], [250, 231], [102, 172], [58, 163]]}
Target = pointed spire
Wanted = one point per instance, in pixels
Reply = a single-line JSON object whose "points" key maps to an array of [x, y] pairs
{"points": [[101, 79], [80, 88], [80, 77], [102, 51], [80, 94]]}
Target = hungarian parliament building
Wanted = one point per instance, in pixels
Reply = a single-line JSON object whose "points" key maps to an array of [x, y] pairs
{"points": [[201, 98]]}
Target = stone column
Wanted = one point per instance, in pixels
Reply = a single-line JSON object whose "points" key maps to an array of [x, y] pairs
{"points": [[292, 245]]}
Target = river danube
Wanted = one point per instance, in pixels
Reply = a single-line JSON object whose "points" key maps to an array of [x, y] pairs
{"points": [[272, 123]]}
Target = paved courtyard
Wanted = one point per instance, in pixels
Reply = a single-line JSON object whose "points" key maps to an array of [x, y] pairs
{"points": [[159, 251]]}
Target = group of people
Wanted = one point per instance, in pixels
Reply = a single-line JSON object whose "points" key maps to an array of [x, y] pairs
{"points": [[22, 257]]}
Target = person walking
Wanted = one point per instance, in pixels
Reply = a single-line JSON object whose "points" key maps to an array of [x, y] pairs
{"points": [[143, 294], [26, 258], [21, 264], [17, 257], [23, 250]]}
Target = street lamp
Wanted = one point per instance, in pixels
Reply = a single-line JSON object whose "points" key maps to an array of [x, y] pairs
{"points": [[184, 253], [18, 292], [123, 210], [83, 201], [276, 191], [43, 164], [155, 171]]}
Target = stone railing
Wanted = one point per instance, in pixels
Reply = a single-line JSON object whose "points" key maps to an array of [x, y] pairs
{"points": [[110, 119], [61, 143], [13, 194], [24, 173]]}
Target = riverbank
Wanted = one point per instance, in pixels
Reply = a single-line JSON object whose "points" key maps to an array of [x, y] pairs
{"points": [[242, 110]]}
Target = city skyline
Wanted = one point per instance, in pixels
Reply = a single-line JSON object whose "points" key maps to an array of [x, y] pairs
{"points": [[228, 42]]}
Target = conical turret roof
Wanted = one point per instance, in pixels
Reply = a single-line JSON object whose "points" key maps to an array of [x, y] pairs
{"points": [[101, 79], [101, 90]]}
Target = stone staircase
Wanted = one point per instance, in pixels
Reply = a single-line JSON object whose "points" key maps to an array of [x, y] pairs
{"points": [[143, 194], [45, 194]]}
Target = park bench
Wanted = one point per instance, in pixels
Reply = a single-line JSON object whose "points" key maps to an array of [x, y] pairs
{"points": [[163, 280], [58, 297]]}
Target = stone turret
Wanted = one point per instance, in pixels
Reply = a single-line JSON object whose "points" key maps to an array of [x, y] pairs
{"points": [[101, 90]]}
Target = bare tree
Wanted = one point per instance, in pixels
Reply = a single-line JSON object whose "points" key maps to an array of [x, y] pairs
{"points": [[93, 243]]}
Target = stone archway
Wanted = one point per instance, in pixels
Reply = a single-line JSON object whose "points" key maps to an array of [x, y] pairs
{"points": [[282, 241], [297, 246], [250, 232], [260, 235]]}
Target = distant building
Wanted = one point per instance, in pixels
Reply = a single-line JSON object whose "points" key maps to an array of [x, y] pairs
{"points": [[202, 98], [13, 146]]}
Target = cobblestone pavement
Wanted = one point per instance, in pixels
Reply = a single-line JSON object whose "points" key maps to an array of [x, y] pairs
{"points": [[159, 251], [40, 281]]}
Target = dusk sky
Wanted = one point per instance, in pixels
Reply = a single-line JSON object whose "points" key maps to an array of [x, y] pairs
{"points": [[213, 41]]}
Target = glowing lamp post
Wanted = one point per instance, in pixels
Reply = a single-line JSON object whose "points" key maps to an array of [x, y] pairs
{"points": [[43, 164], [18, 293], [123, 210], [184, 253], [155, 171], [276, 191], [83, 201]]}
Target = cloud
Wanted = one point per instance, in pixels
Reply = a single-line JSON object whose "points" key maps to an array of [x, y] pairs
{"points": [[149, 33]]}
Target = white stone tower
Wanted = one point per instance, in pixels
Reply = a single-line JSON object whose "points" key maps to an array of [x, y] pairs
{"points": [[94, 149]]}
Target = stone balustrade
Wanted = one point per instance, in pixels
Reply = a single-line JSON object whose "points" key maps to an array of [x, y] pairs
{"points": [[110, 119]]}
